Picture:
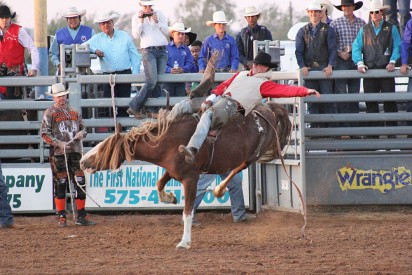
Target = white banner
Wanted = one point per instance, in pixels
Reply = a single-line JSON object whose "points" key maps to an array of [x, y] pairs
{"points": [[30, 189], [134, 186]]}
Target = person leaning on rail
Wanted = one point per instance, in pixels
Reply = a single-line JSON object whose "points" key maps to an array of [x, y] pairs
{"points": [[63, 128], [73, 33], [13, 40], [377, 46]]}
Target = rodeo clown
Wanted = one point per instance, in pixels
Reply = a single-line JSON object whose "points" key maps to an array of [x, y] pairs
{"points": [[63, 129], [241, 93]]}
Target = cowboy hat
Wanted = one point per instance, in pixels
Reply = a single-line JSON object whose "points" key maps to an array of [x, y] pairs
{"points": [[264, 59], [146, 2], [314, 6], [179, 27], [328, 5], [6, 13], [58, 89], [218, 17], [106, 17], [73, 12], [251, 11], [358, 5], [376, 5]]}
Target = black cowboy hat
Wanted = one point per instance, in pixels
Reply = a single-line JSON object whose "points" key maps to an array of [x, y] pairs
{"points": [[358, 5], [6, 13], [264, 59], [192, 37]]}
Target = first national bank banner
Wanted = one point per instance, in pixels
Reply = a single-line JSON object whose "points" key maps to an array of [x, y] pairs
{"points": [[134, 186]]}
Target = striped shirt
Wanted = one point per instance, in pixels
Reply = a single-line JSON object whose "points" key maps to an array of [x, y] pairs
{"points": [[346, 31]]}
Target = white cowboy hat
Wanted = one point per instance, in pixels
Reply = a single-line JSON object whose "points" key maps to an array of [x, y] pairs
{"points": [[73, 12], [376, 5], [251, 11], [179, 27], [106, 17], [326, 4], [314, 6], [58, 89], [147, 2], [218, 17]]}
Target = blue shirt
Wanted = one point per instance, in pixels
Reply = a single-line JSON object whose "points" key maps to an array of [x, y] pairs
{"points": [[119, 52], [227, 46], [182, 55], [357, 46], [407, 43]]}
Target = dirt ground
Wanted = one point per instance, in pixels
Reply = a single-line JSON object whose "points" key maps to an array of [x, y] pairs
{"points": [[345, 242]]}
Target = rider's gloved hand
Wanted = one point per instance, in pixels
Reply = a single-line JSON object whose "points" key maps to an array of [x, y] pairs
{"points": [[205, 105], [79, 135]]}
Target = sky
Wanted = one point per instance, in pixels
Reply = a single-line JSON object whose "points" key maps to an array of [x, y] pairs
{"points": [[55, 8]]}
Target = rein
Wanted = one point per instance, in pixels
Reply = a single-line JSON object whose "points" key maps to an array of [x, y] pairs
{"points": [[303, 236]]}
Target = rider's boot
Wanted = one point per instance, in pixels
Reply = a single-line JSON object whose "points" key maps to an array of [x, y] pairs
{"points": [[189, 153]]}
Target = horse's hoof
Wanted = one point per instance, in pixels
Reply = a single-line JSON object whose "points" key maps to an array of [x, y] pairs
{"points": [[181, 245]]}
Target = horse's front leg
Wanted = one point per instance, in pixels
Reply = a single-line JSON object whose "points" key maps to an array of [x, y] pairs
{"points": [[163, 196], [219, 190], [190, 187]]}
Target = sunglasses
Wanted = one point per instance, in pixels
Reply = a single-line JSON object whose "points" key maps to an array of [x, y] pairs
{"points": [[374, 12]]}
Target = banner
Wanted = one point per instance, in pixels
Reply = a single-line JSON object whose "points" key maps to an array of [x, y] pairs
{"points": [[134, 186], [30, 189]]}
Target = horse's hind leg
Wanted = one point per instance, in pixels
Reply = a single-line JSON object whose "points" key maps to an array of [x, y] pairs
{"points": [[163, 196], [219, 190]]}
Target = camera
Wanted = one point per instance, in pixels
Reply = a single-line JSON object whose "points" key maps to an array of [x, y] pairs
{"points": [[146, 14]]}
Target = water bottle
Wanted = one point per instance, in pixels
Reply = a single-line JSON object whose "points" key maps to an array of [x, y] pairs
{"points": [[175, 65]]}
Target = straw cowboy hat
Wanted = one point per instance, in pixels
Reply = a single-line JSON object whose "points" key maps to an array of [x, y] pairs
{"points": [[251, 11], [146, 2], [314, 6], [328, 5], [106, 17], [358, 5], [58, 89], [376, 5], [264, 59], [218, 17], [179, 27], [73, 12], [6, 13]]}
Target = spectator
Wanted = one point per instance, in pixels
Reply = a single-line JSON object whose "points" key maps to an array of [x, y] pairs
{"points": [[13, 40], [406, 56], [316, 51], [253, 31], [117, 54], [222, 42], [151, 27], [195, 51], [377, 46], [346, 28], [189, 38], [63, 128], [73, 33], [404, 12], [180, 59], [327, 10], [6, 217]]}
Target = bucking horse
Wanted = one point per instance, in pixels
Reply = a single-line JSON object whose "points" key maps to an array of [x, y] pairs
{"points": [[259, 136]]}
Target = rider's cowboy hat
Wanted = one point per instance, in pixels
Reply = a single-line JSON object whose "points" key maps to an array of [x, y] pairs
{"points": [[251, 11], [104, 17], [264, 59], [219, 17], [146, 2], [314, 6], [73, 12], [326, 4], [358, 5], [179, 27], [376, 5], [58, 89], [6, 13]]}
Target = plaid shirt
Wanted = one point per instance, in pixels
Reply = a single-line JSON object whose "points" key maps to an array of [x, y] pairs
{"points": [[346, 32]]}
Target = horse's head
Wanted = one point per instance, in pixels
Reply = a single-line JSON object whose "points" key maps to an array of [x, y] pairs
{"points": [[108, 154]]}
